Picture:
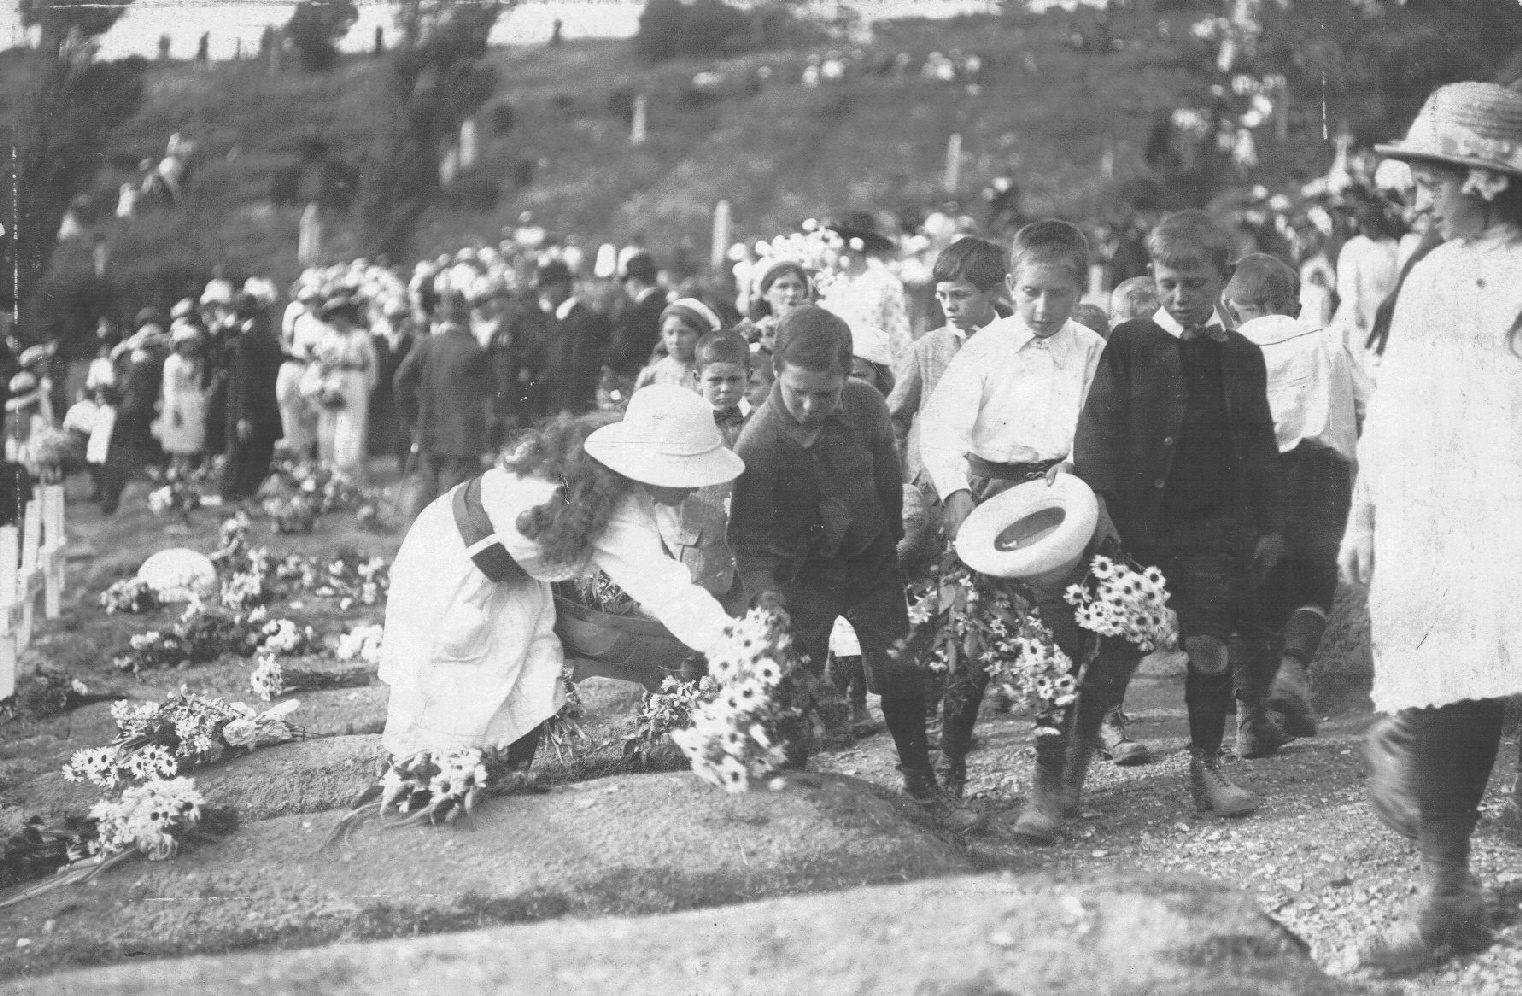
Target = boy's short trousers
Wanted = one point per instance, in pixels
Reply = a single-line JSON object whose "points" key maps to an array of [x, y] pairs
{"points": [[1207, 561], [869, 592]]}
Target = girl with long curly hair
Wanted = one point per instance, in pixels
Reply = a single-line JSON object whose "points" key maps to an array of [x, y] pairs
{"points": [[470, 650]]}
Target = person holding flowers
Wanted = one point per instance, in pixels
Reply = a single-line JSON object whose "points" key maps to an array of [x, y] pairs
{"points": [[469, 647], [1003, 413], [1436, 522], [815, 521]]}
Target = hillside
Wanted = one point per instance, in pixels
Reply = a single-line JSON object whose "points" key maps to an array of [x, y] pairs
{"points": [[779, 153]]}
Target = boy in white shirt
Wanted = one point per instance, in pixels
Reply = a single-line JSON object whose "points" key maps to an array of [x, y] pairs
{"points": [[1004, 413], [1315, 391]]}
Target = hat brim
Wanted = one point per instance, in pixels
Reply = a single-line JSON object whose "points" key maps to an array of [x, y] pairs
{"points": [[637, 461], [870, 241], [1417, 153], [1031, 530]]}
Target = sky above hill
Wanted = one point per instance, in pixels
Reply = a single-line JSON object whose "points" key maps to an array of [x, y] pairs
{"points": [[230, 22]]}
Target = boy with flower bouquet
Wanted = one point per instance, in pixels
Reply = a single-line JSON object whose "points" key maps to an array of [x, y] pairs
{"points": [[815, 522], [1003, 414], [1178, 439]]}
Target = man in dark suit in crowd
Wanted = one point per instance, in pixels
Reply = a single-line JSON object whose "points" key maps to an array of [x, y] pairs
{"points": [[447, 382], [572, 344], [253, 417], [639, 324]]}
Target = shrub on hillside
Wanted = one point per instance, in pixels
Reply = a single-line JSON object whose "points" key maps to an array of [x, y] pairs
{"points": [[669, 29], [315, 29]]}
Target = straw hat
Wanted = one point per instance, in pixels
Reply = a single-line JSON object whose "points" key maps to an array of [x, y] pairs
{"points": [[1031, 531], [862, 225], [1466, 124], [694, 313], [667, 438]]}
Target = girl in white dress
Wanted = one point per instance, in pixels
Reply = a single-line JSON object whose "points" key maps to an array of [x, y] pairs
{"points": [[183, 400], [1436, 524], [345, 370], [475, 662]]}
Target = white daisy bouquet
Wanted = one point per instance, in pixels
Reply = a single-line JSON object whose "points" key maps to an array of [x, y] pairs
{"points": [[738, 739], [270, 678], [282, 636], [1120, 599], [663, 713], [129, 596], [149, 818], [960, 618], [158, 739]]}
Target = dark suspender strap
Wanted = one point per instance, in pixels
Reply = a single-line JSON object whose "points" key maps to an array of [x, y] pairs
{"points": [[481, 542]]}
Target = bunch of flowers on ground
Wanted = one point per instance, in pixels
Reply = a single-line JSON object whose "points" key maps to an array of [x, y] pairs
{"points": [[48, 693], [201, 634], [738, 740], [1120, 599], [178, 494], [362, 643], [130, 596], [159, 739], [663, 713], [271, 679], [346, 576], [297, 493]]}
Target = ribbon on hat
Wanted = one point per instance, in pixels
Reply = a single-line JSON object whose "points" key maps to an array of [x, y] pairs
{"points": [[1485, 184]]}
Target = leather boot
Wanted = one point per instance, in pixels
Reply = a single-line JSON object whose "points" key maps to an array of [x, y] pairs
{"points": [[952, 772], [1116, 746], [1041, 818], [1213, 791], [1449, 917], [920, 786], [1289, 701], [1388, 751], [1257, 734]]}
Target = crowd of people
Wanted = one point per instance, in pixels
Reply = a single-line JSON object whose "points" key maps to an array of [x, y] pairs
{"points": [[799, 438]]}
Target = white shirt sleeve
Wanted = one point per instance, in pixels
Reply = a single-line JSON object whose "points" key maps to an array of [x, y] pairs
{"points": [[947, 422], [630, 551]]}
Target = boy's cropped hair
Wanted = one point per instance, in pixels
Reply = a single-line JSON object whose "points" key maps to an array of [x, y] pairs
{"points": [[977, 261], [1133, 298], [1263, 281], [813, 339], [723, 346], [1052, 243], [1190, 238]]}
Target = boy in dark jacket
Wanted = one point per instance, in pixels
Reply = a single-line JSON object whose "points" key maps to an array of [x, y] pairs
{"points": [[1177, 438], [815, 521]]}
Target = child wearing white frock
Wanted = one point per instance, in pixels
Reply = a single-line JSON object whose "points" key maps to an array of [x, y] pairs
{"points": [[474, 662]]}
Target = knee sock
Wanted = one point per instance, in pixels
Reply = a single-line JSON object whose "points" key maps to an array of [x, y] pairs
{"points": [[905, 718], [1208, 699], [520, 753], [1302, 634], [964, 694]]}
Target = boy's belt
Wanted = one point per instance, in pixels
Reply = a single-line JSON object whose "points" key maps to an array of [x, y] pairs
{"points": [[481, 542], [1021, 472]]}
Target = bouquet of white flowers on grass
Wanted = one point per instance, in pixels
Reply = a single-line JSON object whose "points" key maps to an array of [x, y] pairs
{"points": [[738, 739], [1120, 599], [362, 643]]}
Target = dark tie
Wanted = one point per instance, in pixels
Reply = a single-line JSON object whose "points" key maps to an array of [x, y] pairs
{"points": [[1211, 331], [728, 417]]}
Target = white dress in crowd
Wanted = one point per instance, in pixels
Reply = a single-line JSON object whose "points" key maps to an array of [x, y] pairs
{"points": [[1441, 462], [874, 298], [300, 331], [347, 359], [1367, 272], [182, 415], [471, 662]]}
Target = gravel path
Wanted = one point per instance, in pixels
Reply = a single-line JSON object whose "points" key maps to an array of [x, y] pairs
{"points": [[1314, 856]]}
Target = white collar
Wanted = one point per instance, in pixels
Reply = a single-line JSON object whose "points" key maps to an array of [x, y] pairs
{"points": [[564, 310], [1170, 325], [1060, 343], [1272, 329]]}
